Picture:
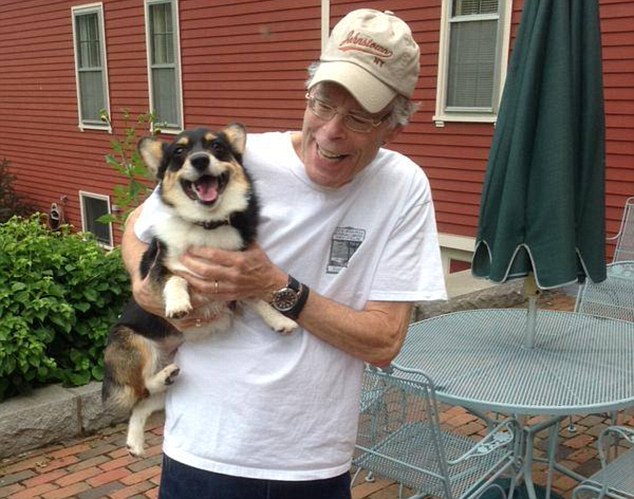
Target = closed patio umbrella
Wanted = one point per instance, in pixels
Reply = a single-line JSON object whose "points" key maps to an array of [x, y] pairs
{"points": [[542, 208], [543, 201]]}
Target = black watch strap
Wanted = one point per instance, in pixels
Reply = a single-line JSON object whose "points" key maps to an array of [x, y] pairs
{"points": [[293, 283], [294, 312]]}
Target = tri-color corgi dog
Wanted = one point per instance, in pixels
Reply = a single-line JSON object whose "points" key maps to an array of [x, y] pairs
{"points": [[210, 201]]}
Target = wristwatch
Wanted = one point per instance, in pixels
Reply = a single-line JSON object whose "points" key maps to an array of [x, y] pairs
{"points": [[290, 300]]}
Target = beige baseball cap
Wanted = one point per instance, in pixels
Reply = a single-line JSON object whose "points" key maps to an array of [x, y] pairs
{"points": [[373, 55]]}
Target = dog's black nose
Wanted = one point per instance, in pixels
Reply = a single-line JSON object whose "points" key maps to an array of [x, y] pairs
{"points": [[200, 162]]}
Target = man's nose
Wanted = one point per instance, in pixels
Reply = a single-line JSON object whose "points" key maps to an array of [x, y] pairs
{"points": [[335, 127]]}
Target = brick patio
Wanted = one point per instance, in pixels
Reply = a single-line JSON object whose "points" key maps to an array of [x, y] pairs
{"points": [[98, 466]]}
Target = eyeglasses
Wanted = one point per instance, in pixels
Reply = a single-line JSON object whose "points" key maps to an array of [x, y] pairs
{"points": [[352, 121]]}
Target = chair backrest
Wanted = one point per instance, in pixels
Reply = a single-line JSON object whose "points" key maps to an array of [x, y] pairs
{"points": [[613, 297], [624, 240], [402, 414], [400, 437]]}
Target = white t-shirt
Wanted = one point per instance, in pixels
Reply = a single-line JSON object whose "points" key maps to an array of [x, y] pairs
{"points": [[253, 403]]}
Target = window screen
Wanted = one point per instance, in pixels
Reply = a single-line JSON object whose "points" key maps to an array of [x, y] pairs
{"points": [[163, 63], [91, 74], [94, 207], [472, 56]]}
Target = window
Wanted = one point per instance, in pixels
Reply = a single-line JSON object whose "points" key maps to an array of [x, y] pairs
{"points": [[94, 206], [91, 74], [472, 59], [164, 63]]}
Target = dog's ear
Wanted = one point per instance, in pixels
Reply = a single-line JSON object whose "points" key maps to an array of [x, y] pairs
{"points": [[151, 150], [236, 134]]}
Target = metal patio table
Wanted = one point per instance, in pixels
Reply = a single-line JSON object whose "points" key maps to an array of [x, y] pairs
{"points": [[579, 364]]}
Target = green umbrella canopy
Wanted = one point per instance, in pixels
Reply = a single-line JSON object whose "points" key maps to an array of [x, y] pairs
{"points": [[542, 208]]}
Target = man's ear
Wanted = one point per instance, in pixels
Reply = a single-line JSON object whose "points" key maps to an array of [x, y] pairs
{"points": [[151, 150], [392, 133]]}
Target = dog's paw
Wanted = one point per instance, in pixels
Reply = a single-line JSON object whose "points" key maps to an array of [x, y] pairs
{"points": [[274, 319], [135, 440], [177, 309], [176, 297], [135, 449], [176, 315], [169, 373], [284, 325]]}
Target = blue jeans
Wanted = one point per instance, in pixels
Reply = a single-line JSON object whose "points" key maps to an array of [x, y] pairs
{"points": [[179, 481]]}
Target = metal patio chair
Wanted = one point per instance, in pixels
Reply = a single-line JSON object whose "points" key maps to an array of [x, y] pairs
{"points": [[613, 297], [400, 438], [615, 479], [624, 239]]}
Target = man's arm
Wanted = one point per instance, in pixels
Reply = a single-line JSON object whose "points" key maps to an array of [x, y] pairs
{"points": [[132, 249], [374, 334]]}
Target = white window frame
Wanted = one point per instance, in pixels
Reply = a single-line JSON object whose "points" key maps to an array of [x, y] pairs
{"points": [[443, 115], [93, 8], [454, 247], [84, 216], [166, 127]]}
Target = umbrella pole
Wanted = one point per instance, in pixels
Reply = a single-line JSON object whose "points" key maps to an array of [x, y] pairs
{"points": [[531, 291]]}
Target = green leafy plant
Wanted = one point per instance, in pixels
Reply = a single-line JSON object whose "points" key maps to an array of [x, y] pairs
{"points": [[60, 293], [10, 202], [126, 160]]}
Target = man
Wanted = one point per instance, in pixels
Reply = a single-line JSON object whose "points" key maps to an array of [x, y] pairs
{"points": [[254, 414]]}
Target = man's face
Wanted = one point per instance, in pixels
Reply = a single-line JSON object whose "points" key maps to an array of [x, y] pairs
{"points": [[333, 154]]}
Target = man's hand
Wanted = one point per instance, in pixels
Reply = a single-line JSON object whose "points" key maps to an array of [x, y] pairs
{"points": [[232, 275]]}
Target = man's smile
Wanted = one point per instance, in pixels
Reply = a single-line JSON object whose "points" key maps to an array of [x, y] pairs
{"points": [[331, 156]]}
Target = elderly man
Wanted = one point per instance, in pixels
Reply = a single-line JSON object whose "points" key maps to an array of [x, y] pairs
{"points": [[348, 239]]}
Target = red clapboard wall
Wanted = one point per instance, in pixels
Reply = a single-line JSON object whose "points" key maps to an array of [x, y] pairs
{"points": [[241, 61], [245, 60], [617, 38]]}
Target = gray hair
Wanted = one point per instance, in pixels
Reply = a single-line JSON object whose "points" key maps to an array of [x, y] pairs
{"points": [[403, 108]]}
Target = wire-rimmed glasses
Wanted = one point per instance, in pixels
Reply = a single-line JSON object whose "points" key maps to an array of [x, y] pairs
{"points": [[351, 120]]}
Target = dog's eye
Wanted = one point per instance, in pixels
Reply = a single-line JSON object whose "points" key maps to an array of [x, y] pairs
{"points": [[219, 148], [179, 151]]}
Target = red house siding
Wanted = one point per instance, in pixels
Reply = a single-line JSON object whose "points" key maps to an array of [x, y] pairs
{"points": [[241, 61], [52, 159], [617, 19], [245, 60]]}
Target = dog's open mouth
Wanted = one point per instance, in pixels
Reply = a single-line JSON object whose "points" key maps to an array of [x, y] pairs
{"points": [[207, 188]]}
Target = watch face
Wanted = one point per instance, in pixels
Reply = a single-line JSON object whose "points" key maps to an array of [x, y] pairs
{"points": [[285, 299]]}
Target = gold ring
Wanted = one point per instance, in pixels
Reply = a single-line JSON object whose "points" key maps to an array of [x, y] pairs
{"points": [[216, 287]]}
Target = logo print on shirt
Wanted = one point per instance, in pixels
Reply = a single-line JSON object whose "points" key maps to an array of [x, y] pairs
{"points": [[345, 241]]}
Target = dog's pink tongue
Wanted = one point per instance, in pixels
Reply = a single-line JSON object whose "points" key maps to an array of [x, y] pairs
{"points": [[207, 189]]}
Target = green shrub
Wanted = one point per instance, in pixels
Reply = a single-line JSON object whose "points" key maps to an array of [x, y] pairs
{"points": [[60, 292]]}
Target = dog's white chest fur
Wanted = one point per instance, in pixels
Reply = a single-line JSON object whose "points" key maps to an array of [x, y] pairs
{"points": [[179, 235]]}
